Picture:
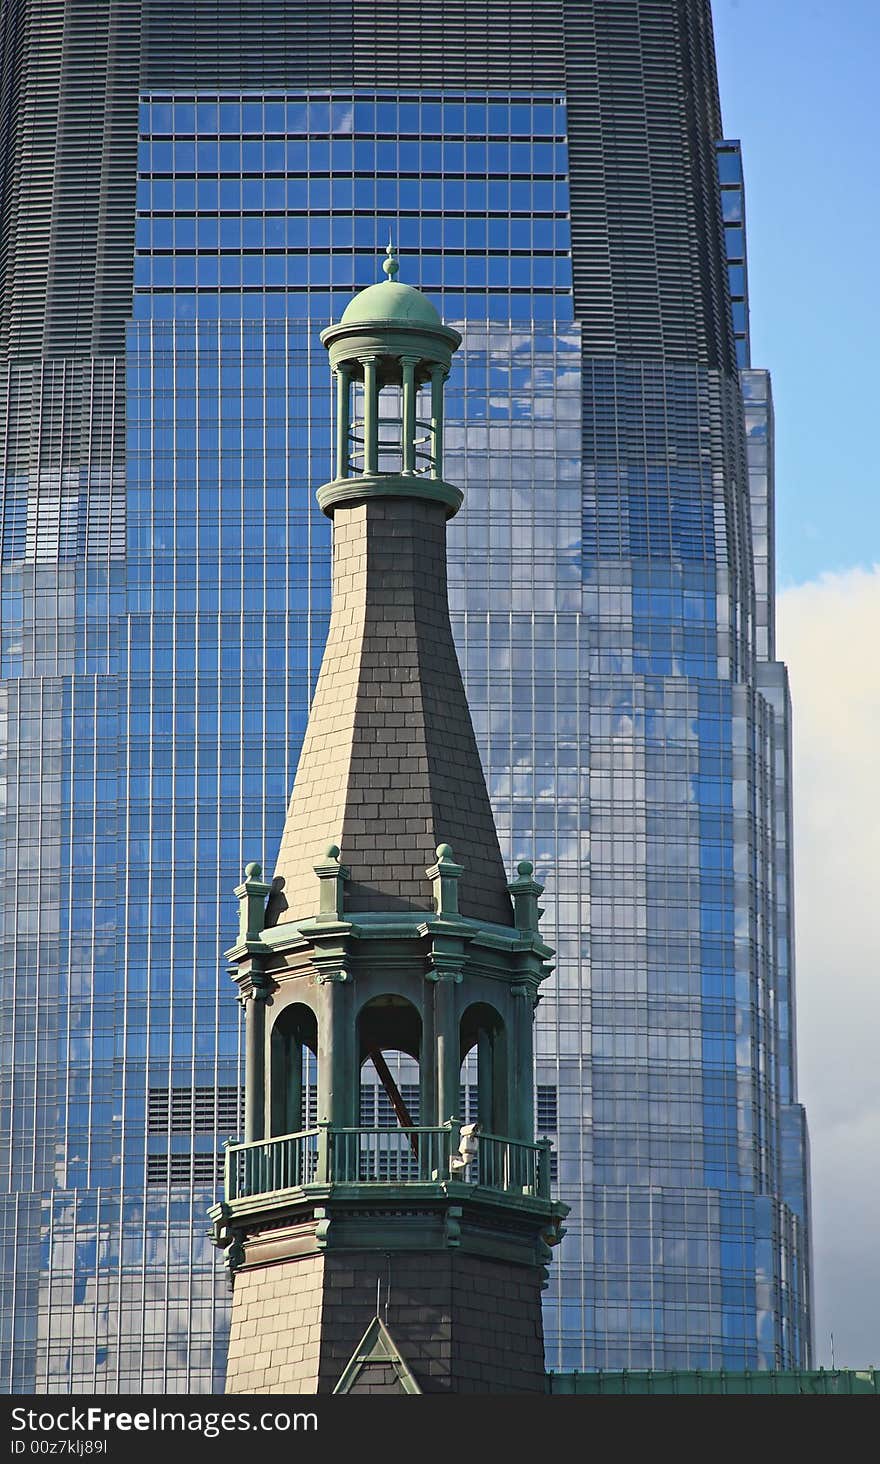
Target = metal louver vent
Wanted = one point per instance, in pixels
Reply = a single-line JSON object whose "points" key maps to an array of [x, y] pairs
{"points": [[201, 1110], [188, 1169], [546, 1106]]}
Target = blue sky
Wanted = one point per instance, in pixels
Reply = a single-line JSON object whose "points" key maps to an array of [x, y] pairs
{"points": [[799, 86]]}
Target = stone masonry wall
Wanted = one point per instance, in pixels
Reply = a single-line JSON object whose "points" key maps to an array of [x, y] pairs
{"points": [[463, 1324], [390, 766], [275, 1332]]}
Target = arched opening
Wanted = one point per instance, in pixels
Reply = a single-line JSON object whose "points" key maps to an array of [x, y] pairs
{"points": [[389, 1023], [484, 1036], [389, 1044], [294, 1048]]}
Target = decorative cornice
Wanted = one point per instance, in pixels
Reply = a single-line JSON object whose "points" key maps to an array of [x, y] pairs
{"points": [[349, 492], [331, 935]]}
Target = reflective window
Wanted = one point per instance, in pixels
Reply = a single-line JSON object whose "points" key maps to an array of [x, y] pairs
{"points": [[591, 620]]}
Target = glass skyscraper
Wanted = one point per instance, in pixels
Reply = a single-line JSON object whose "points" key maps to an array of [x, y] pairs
{"points": [[190, 192]]}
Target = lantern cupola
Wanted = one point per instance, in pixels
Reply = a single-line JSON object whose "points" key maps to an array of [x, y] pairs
{"points": [[390, 356]]}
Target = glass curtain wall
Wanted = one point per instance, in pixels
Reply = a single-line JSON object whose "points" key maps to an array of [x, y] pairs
{"points": [[249, 210], [611, 583]]}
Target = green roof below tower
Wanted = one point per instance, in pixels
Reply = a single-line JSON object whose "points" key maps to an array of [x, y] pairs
{"points": [[629, 1384]]}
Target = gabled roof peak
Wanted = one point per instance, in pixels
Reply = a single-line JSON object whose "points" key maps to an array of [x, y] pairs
{"points": [[376, 1365]]}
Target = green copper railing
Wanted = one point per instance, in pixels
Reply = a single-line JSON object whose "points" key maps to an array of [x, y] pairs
{"points": [[330, 1155], [388, 1155], [274, 1164]]}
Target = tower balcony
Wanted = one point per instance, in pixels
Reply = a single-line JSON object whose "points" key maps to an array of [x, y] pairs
{"points": [[373, 1158]]}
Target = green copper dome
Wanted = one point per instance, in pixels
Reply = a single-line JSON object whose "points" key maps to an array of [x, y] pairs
{"points": [[390, 301]]}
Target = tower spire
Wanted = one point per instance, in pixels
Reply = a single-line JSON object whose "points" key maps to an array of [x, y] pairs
{"points": [[390, 768], [390, 929], [390, 263]]}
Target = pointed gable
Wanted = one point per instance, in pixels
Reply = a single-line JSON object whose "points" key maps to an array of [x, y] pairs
{"points": [[376, 1366]]}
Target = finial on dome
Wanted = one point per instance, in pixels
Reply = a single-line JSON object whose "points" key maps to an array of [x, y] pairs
{"points": [[390, 263]]}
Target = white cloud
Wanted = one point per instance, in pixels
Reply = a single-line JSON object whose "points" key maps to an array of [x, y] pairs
{"points": [[829, 634]]}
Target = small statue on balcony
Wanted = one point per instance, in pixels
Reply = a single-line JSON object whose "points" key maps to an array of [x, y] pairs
{"points": [[468, 1149]]}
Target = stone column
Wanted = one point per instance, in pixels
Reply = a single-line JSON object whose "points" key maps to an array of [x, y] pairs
{"points": [[337, 1059], [521, 1102], [448, 1049], [371, 414], [255, 1064], [428, 1061], [343, 419], [328, 1056], [347, 1105]]}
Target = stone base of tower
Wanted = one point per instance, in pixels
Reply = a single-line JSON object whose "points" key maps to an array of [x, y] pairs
{"points": [[456, 1278], [464, 1324]]}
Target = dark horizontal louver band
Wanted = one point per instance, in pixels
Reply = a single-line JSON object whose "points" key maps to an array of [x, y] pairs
{"points": [[648, 268], [185, 1169], [276, 44], [202, 1110], [546, 1106]]}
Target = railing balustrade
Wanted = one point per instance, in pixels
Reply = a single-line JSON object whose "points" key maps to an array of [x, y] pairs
{"points": [[287, 1162], [502, 1164], [382, 1155], [388, 1155]]}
